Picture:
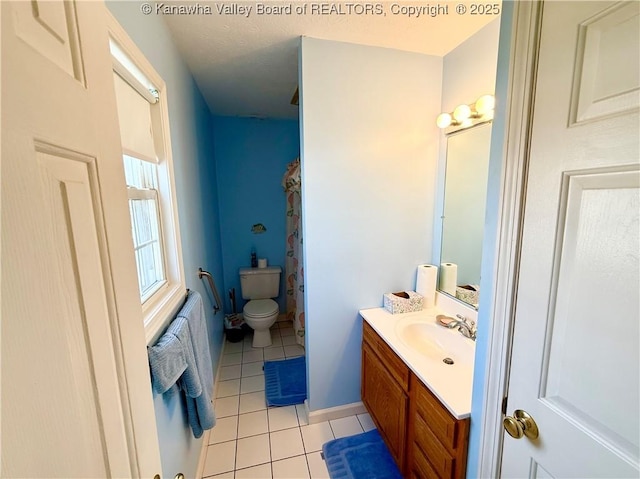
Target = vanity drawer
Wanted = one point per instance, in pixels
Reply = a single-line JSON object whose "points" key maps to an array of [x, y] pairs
{"points": [[421, 469], [427, 445], [394, 364], [442, 423]]}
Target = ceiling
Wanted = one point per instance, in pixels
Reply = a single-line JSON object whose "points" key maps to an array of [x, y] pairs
{"points": [[247, 65]]}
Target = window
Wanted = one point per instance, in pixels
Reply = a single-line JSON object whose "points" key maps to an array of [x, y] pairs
{"points": [[144, 207], [148, 171]]}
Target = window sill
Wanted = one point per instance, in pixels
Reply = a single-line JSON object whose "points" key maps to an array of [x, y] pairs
{"points": [[161, 309]]}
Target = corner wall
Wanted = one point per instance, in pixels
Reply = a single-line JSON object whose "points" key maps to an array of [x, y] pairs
{"points": [[369, 159], [195, 177]]}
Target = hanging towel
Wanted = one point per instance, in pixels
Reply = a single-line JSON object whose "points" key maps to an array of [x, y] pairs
{"points": [[172, 360], [199, 409], [189, 382], [167, 362]]}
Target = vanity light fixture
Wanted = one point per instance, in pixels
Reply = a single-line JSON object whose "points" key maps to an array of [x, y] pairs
{"points": [[464, 116]]}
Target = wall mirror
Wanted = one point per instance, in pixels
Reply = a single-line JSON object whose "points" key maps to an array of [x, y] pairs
{"points": [[467, 167]]}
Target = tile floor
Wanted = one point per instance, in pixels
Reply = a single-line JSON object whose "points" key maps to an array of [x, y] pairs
{"points": [[251, 441]]}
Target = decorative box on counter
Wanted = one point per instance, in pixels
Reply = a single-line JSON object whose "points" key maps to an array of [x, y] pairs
{"points": [[468, 293], [403, 302]]}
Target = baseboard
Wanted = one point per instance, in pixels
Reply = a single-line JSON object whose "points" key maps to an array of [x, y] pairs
{"points": [[332, 413]]}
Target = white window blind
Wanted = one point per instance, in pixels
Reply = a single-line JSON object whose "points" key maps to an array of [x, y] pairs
{"points": [[134, 115]]}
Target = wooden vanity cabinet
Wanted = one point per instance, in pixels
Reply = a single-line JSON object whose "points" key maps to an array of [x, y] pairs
{"points": [[384, 390], [437, 441], [425, 440]]}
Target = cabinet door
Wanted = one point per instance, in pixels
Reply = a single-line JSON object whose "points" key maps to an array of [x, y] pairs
{"points": [[387, 403]]}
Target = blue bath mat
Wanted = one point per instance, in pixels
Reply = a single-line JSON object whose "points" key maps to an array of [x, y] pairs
{"points": [[285, 381], [363, 456]]}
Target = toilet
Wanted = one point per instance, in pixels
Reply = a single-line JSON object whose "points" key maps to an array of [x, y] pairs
{"points": [[259, 285]]}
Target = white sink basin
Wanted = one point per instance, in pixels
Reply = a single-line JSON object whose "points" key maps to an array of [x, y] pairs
{"points": [[435, 342]]}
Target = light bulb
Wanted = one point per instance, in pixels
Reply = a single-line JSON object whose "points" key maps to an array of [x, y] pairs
{"points": [[485, 104], [461, 113], [443, 120]]}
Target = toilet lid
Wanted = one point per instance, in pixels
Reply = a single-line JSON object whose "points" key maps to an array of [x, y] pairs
{"points": [[259, 308]]}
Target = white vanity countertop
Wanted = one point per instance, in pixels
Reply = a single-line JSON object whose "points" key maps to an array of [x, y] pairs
{"points": [[452, 384]]}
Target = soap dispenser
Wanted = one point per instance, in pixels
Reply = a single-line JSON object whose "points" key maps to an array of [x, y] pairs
{"points": [[254, 258]]}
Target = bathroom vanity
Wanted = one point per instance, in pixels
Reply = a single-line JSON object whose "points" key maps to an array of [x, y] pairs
{"points": [[419, 402]]}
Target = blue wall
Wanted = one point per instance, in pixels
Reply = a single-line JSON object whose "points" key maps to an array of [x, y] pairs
{"points": [[369, 162], [490, 240], [251, 158], [195, 177]]}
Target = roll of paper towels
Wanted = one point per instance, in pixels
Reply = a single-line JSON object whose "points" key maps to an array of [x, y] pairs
{"points": [[262, 262], [426, 281], [449, 278]]}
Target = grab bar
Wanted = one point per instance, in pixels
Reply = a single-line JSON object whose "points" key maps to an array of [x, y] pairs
{"points": [[212, 285]]}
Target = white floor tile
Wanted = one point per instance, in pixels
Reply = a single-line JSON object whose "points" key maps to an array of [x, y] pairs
{"points": [[346, 426], [224, 475], [230, 348], [227, 406], [252, 402], [252, 356], [286, 443], [232, 359], [252, 451], [366, 422], [228, 388], [282, 418], [292, 468], [230, 372], [252, 384], [257, 472], [293, 351], [252, 369], [288, 340], [286, 331], [302, 415], [276, 340], [317, 466], [220, 458], [274, 353], [252, 424], [315, 435], [226, 429]]}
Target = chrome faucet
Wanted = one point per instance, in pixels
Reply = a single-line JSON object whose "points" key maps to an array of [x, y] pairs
{"points": [[467, 327]]}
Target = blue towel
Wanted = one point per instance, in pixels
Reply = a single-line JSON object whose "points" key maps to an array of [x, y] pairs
{"points": [[167, 361], [199, 409], [189, 382]]}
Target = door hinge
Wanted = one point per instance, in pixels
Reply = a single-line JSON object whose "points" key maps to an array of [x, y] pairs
{"points": [[504, 405]]}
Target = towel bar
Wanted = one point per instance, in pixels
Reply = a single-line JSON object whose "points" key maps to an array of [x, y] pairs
{"points": [[214, 290]]}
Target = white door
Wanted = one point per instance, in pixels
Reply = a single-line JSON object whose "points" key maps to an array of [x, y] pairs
{"points": [[76, 400], [576, 348]]}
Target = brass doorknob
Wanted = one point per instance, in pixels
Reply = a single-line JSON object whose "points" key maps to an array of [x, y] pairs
{"points": [[520, 424]]}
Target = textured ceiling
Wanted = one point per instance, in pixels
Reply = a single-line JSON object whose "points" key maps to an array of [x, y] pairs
{"points": [[247, 64]]}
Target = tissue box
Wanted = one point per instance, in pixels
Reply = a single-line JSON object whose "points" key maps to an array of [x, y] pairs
{"points": [[468, 293], [411, 302]]}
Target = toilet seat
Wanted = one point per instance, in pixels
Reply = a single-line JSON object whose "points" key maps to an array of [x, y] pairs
{"points": [[260, 308]]}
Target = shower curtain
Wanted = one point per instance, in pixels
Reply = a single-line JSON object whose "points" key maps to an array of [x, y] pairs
{"points": [[294, 269]]}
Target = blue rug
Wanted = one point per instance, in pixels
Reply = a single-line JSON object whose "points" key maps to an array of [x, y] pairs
{"points": [[363, 456], [285, 381]]}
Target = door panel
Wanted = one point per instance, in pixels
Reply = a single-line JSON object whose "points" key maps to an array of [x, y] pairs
{"points": [[575, 359], [67, 259]]}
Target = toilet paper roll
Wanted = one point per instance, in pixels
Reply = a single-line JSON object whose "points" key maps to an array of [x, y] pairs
{"points": [[262, 262], [449, 278], [426, 280]]}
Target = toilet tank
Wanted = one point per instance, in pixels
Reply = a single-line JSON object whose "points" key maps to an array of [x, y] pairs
{"points": [[260, 283]]}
